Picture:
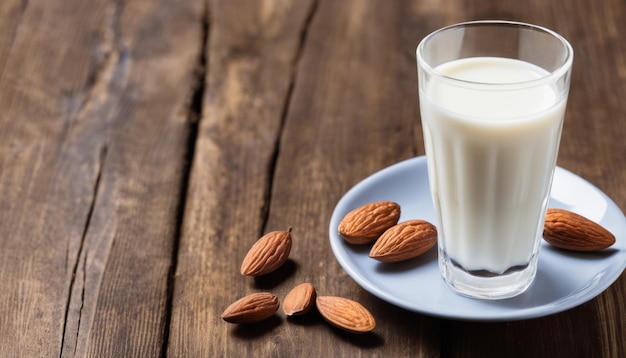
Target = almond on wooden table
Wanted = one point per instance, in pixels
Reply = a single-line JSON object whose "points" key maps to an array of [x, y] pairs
{"points": [[366, 223], [267, 254], [571, 231], [404, 241], [299, 300], [345, 314], [252, 308]]}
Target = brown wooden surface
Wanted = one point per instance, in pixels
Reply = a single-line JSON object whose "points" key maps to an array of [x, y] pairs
{"points": [[145, 146]]}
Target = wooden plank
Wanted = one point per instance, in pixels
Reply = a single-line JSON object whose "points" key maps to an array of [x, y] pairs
{"points": [[303, 99], [93, 141], [42, 218], [253, 46], [354, 111], [354, 80], [314, 166]]}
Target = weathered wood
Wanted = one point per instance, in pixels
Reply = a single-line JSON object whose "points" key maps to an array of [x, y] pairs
{"points": [[123, 225], [252, 49], [354, 111], [93, 139]]}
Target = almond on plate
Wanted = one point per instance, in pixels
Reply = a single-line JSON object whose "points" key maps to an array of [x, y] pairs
{"points": [[571, 231], [366, 223], [404, 241]]}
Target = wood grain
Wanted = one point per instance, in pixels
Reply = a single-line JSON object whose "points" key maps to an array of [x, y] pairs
{"points": [[337, 143], [146, 145], [93, 143], [252, 49]]}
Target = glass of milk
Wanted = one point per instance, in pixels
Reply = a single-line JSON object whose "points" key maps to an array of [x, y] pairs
{"points": [[492, 101]]}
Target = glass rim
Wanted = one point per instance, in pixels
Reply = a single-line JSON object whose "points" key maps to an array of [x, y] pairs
{"points": [[552, 76]]}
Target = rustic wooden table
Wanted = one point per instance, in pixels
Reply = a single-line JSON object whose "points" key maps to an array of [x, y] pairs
{"points": [[145, 145]]}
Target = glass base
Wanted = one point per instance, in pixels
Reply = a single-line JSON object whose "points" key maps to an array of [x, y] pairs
{"points": [[487, 285]]}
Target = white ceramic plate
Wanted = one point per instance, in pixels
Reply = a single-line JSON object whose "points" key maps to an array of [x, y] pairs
{"points": [[564, 279]]}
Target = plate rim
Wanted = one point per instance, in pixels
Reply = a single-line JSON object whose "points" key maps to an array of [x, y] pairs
{"points": [[571, 300]]}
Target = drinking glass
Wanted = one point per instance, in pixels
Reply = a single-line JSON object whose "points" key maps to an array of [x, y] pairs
{"points": [[492, 102]]}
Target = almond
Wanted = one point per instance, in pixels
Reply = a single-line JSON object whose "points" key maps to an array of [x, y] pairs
{"points": [[345, 314], [404, 241], [299, 300], [252, 308], [267, 254], [571, 231], [365, 224]]}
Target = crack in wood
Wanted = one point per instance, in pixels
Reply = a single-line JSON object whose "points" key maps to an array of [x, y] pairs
{"points": [[82, 256], [108, 76], [271, 168], [82, 302], [194, 114]]}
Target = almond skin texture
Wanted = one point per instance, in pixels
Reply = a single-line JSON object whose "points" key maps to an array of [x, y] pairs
{"points": [[345, 314], [404, 241], [366, 223], [252, 308], [267, 254], [571, 231], [299, 300]]}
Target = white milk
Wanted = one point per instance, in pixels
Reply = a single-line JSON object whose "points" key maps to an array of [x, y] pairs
{"points": [[505, 143]]}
